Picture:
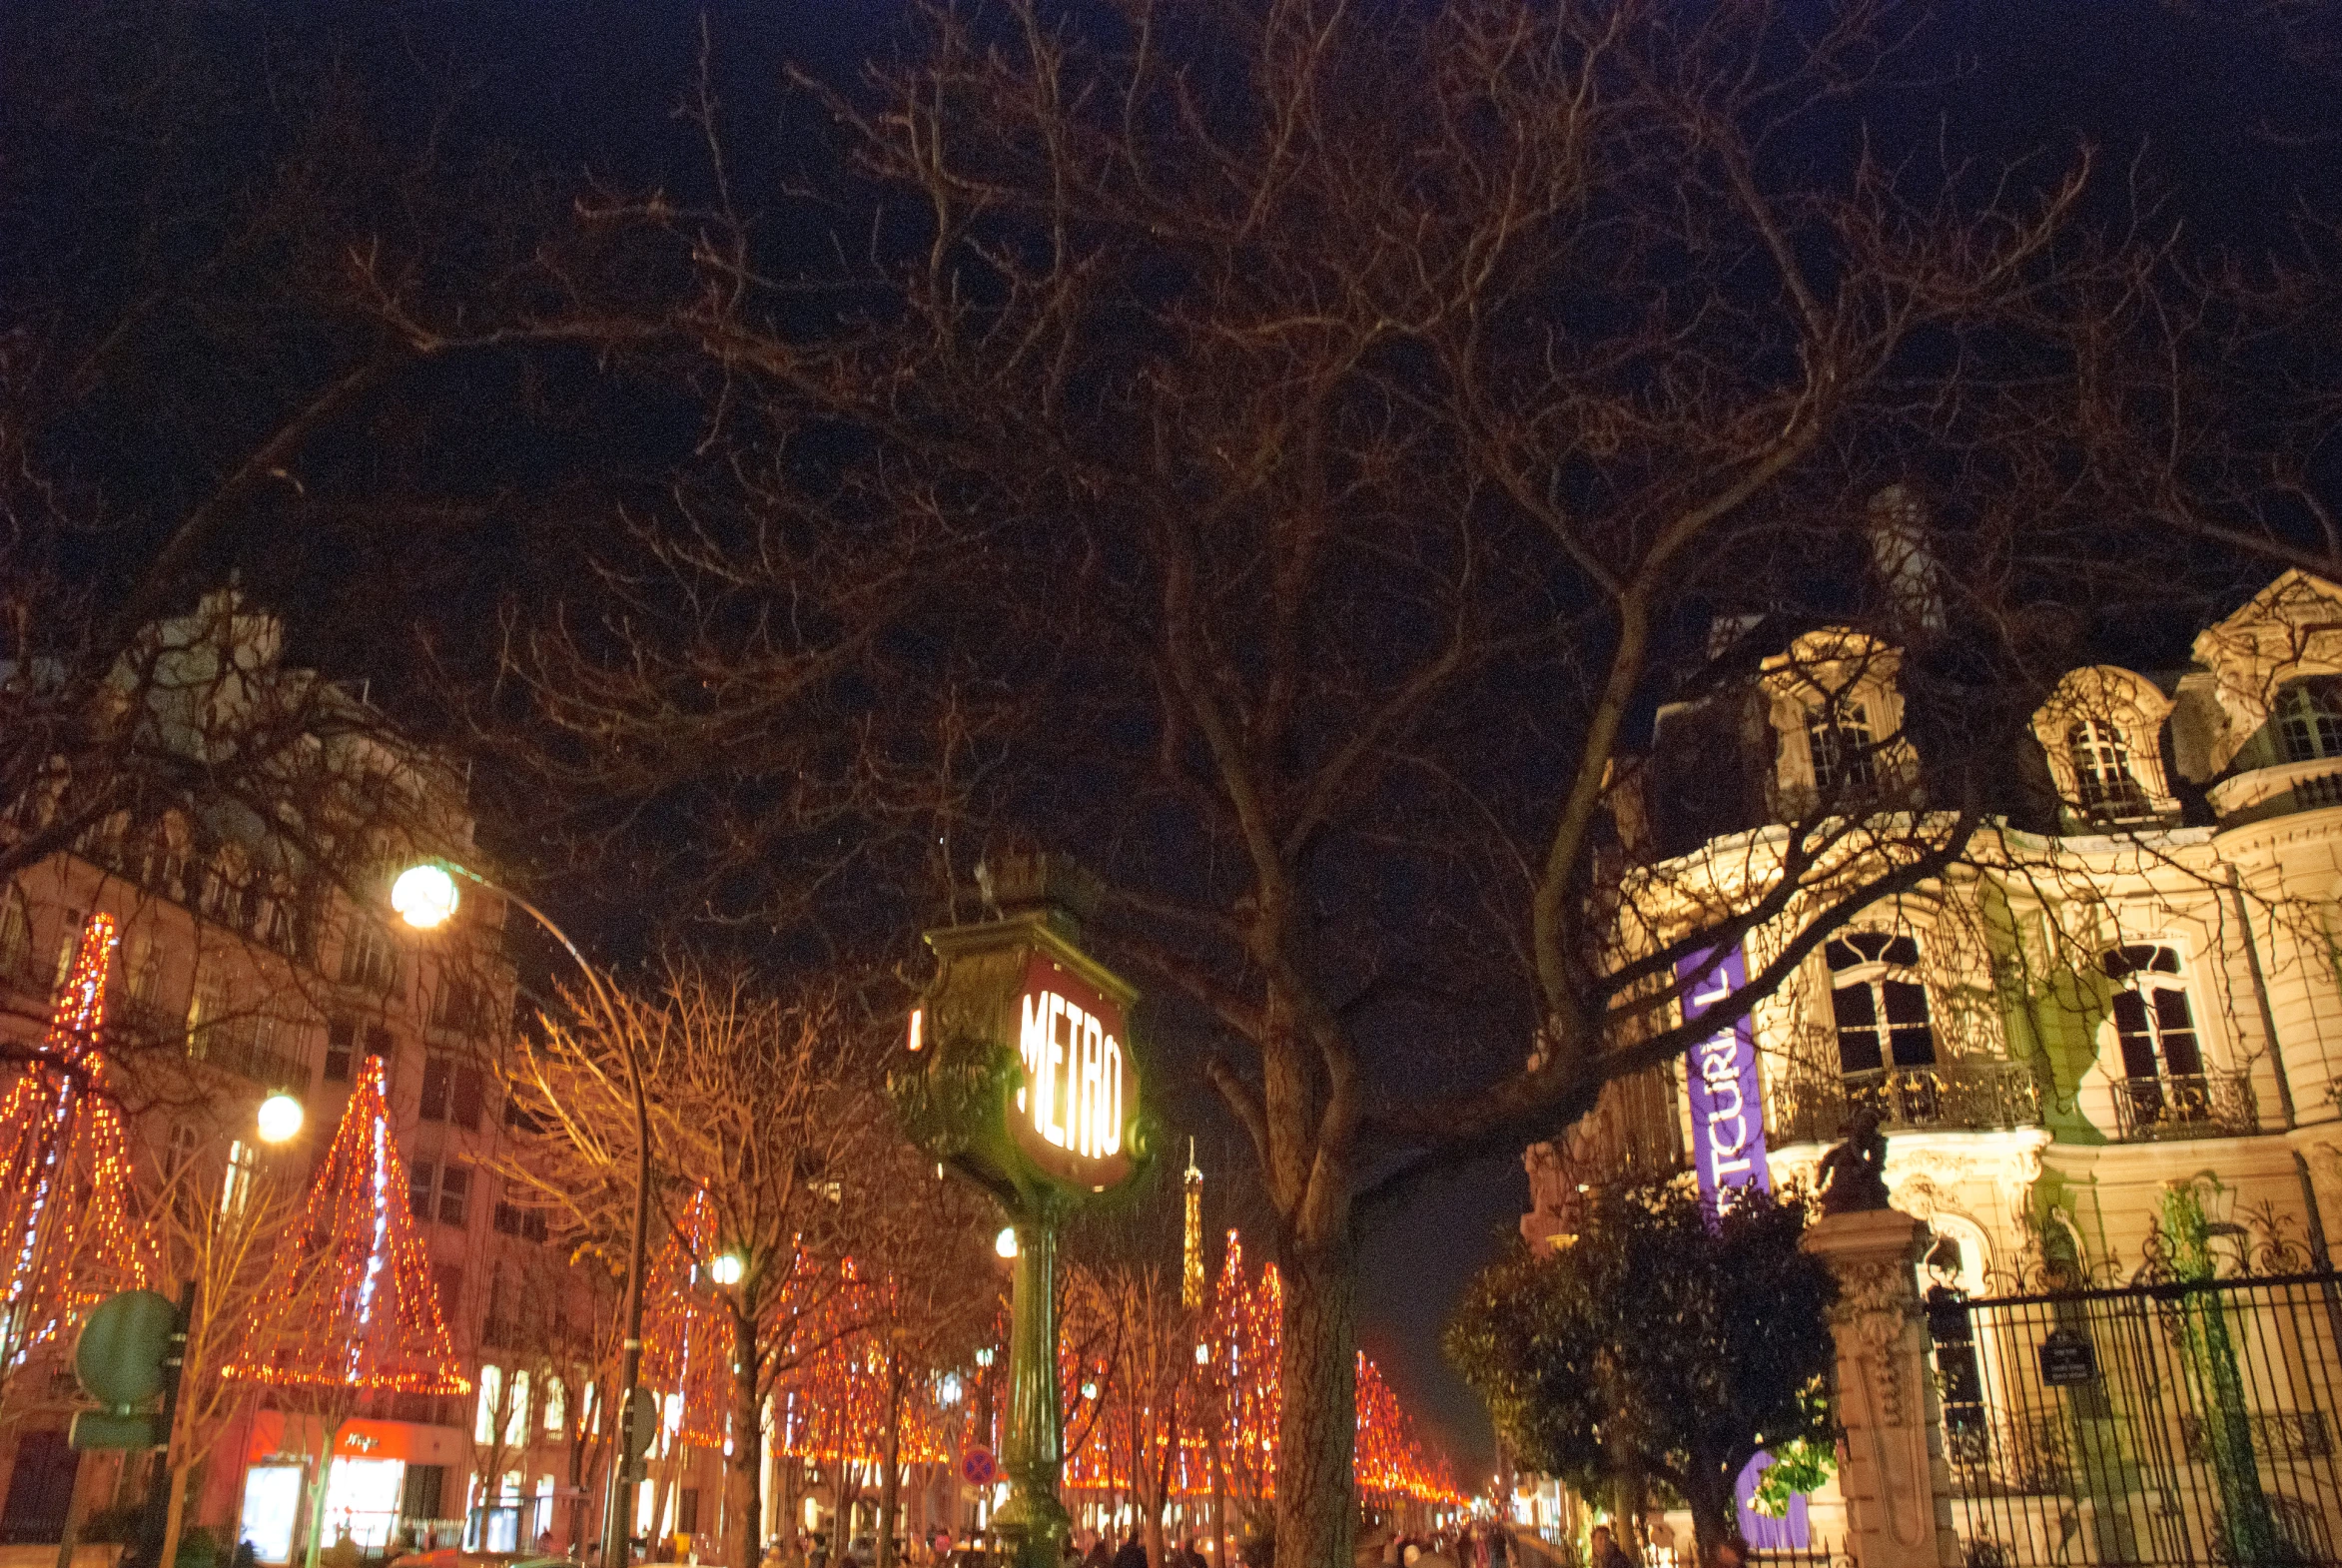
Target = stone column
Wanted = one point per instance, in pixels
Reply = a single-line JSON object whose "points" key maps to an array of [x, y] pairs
{"points": [[1891, 1469]]}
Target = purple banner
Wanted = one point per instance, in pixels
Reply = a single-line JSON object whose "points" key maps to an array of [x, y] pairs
{"points": [[1728, 1107]]}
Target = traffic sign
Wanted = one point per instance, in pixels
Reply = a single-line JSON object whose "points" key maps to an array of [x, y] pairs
{"points": [[639, 1423], [113, 1429], [978, 1467], [119, 1356]]}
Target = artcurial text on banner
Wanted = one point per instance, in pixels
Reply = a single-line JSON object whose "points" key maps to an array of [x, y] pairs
{"points": [[1728, 1106]]}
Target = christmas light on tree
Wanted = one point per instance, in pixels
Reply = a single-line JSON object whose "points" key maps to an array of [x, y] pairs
{"points": [[66, 1240], [686, 1335], [357, 1262]]}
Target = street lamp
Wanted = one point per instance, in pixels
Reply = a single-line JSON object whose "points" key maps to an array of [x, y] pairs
{"points": [[1006, 1242], [425, 896], [726, 1268], [279, 1118]]}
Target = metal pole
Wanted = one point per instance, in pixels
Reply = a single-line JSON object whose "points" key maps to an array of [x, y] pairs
{"points": [[155, 1516], [617, 1530], [1033, 1519]]}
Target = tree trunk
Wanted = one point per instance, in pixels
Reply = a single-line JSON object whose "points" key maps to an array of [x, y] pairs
{"points": [[744, 1465], [890, 1480], [175, 1514], [1317, 1432], [1709, 1497]]}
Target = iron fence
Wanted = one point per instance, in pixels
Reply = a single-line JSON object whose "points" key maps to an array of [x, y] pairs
{"points": [[2166, 1423]]}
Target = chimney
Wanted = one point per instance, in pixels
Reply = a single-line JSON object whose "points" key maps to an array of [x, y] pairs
{"points": [[1904, 566]]}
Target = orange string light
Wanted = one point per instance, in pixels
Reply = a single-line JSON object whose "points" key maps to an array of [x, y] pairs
{"points": [[357, 1262]]}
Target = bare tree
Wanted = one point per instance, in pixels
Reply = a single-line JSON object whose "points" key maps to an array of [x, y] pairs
{"points": [[763, 1108], [216, 1225]]}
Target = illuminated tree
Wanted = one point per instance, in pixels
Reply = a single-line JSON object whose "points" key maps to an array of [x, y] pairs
{"points": [[770, 1140], [217, 1225], [66, 1238], [352, 1265]]}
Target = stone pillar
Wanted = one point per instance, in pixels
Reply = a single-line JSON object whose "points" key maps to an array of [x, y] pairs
{"points": [[1891, 1469]]}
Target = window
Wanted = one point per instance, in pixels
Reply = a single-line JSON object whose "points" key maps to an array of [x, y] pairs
{"points": [[451, 1091], [341, 1042], [143, 968], [1838, 737], [2104, 784], [16, 933], [68, 947], [518, 1217], [236, 1190], [556, 1403], [368, 959], [1877, 1003], [340, 1049], [2309, 719], [180, 1150], [439, 1192], [491, 1403], [206, 1008], [687, 1512], [457, 1007], [448, 1278], [2153, 1022]]}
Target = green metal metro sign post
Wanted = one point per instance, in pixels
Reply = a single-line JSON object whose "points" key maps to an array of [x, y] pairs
{"points": [[1020, 1077]]}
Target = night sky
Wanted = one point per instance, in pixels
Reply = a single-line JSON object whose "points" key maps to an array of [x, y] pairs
{"points": [[589, 89]]}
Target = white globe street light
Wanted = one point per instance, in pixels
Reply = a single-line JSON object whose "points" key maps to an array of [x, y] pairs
{"points": [[279, 1118], [1006, 1242], [425, 895], [726, 1268]]}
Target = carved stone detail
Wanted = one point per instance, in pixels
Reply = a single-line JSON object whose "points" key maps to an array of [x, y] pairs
{"points": [[1876, 1301]]}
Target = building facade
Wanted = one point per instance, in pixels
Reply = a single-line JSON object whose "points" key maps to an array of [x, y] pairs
{"points": [[2126, 996], [248, 965]]}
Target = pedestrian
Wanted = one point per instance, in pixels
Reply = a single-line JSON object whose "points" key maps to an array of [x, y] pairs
{"points": [[1606, 1552], [1132, 1555], [1194, 1555], [1100, 1555]]}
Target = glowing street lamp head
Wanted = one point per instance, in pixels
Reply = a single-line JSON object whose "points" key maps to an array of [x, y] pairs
{"points": [[1006, 1242], [279, 1118], [726, 1268], [425, 896]]}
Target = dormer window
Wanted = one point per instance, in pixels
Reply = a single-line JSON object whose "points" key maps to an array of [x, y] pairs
{"points": [[1839, 739], [2101, 733], [2104, 784], [2309, 719]]}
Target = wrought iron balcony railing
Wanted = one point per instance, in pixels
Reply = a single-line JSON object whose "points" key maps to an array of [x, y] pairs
{"points": [[2176, 1106], [1948, 1097]]}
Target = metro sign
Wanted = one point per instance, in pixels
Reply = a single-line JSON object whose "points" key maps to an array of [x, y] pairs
{"points": [[1018, 1068], [1069, 1112]]}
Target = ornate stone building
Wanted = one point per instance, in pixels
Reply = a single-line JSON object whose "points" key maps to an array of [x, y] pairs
{"points": [[2131, 987]]}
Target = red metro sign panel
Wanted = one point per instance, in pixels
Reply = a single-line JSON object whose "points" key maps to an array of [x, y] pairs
{"points": [[1070, 1112]]}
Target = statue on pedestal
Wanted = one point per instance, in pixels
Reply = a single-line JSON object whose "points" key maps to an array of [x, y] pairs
{"points": [[1854, 1173]]}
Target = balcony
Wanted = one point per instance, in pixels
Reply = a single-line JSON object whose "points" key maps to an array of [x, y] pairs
{"points": [[2176, 1106], [1951, 1097], [236, 1048]]}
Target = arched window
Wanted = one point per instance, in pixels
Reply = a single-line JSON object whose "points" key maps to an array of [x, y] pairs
{"points": [[1878, 1002], [2153, 1020], [1838, 738], [2103, 783], [2309, 719]]}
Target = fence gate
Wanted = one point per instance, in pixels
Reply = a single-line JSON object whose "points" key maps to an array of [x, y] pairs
{"points": [[2163, 1423]]}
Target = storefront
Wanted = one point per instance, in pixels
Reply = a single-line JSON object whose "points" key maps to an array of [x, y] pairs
{"points": [[386, 1477]]}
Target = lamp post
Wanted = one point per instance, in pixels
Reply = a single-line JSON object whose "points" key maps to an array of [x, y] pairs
{"points": [[425, 896]]}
